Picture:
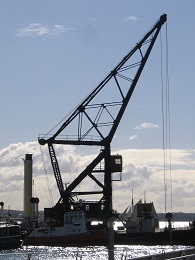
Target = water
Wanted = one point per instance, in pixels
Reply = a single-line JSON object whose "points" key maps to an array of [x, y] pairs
{"points": [[85, 253], [162, 224], [175, 224], [90, 253]]}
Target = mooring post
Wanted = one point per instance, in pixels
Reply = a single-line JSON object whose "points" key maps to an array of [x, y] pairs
{"points": [[110, 239], [169, 217], [108, 202]]}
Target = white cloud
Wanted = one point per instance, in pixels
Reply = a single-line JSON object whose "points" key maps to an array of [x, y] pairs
{"points": [[131, 18], [143, 171], [133, 137], [146, 125], [39, 30]]}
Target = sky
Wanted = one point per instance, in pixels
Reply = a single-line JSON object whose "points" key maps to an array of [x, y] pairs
{"points": [[54, 53]]}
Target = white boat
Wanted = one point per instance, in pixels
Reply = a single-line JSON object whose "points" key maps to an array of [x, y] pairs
{"points": [[73, 231]]}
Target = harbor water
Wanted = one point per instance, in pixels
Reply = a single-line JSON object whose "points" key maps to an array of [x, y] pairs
{"points": [[85, 253], [163, 224], [93, 252], [176, 224]]}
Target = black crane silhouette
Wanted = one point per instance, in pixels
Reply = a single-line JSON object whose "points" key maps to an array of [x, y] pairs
{"points": [[95, 122]]}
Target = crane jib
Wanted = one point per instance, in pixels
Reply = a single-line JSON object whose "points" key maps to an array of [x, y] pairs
{"points": [[96, 123]]}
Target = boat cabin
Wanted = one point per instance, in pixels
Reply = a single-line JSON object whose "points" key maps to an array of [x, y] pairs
{"points": [[74, 222], [7, 230], [10, 236]]}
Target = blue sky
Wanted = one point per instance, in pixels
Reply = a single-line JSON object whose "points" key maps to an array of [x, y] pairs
{"points": [[53, 53]]}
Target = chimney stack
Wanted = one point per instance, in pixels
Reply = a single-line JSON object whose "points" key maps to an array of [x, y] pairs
{"points": [[27, 185]]}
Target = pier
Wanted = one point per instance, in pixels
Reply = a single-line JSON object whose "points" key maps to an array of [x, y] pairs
{"points": [[182, 254]]}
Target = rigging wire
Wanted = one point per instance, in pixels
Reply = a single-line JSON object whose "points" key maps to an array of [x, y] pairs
{"points": [[13, 183], [169, 114], [163, 120], [166, 122], [39, 190], [47, 179]]}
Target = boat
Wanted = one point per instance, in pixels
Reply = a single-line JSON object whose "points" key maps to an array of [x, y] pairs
{"points": [[10, 235], [166, 237], [139, 218], [72, 232], [141, 227]]}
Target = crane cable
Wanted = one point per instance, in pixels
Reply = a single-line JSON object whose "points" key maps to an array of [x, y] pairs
{"points": [[166, 123], [14, 182], [47, 179]]}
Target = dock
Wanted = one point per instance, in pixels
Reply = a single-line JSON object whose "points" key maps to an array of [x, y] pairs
{"points": [[173, 255]]}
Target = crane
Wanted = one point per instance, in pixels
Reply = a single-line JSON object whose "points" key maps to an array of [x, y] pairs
{"points": [[94, 122]]}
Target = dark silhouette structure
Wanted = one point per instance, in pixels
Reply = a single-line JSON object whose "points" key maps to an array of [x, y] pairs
{"points": [[94, 123]]}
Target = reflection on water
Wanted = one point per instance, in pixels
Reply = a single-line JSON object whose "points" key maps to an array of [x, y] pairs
{"points": [[85, 253]]}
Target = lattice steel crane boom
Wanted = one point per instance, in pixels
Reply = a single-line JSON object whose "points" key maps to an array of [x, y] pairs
{"points": [[97, 117]]}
